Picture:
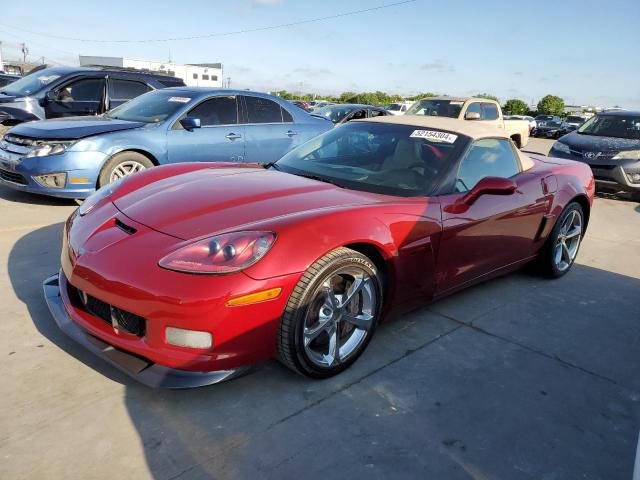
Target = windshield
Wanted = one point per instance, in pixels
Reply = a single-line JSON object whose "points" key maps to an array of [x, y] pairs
{"points": [[152, 107], [544, 117], [436, 108], [335, 113], [375, 157], [553, 124], [619, 126], [394, 107], [573, 119], [31, 83]]}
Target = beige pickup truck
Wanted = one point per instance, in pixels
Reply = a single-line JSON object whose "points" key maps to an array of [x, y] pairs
{"points": [[474, 109]]}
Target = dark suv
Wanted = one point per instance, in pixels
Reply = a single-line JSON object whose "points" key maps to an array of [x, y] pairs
{"points": [[74, 91]]}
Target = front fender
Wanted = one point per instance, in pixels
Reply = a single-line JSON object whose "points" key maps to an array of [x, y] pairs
{"points": [[406, 235]]}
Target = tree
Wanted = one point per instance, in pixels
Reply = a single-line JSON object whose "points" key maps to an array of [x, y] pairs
{"points": [[551, 105], [487, 96], [515, 106]]}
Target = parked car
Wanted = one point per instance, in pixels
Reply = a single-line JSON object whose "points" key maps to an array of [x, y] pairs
{"points": [[550, 129], [398, 108], [475, 109], [319, 104], [71, 157], [610, 144], [547, 118], [574, 121], [74, 91], [189, 275], [301, 104], [6, 79], [345, 112]]}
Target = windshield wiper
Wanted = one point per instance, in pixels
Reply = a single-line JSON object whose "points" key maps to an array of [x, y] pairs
{"points": [[318, 178], [270, 165]]}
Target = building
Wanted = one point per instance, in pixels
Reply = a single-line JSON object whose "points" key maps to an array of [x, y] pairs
{"points": [[194, 75]]}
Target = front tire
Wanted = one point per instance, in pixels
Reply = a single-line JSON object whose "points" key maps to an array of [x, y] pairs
{"points": [[121, 165], [560, 251], [331, 315]]}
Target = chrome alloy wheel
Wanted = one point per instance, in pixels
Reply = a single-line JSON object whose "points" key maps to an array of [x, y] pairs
{"points": [[339, 317], [568, 241], [125, 168]]}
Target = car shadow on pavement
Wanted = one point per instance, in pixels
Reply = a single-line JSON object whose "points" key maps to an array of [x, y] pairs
{"points": [[17, 196], [517, 377]]}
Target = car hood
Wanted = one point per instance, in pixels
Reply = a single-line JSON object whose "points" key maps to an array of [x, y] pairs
{"points": [[580, 142], [72, 128], [205, 202]]}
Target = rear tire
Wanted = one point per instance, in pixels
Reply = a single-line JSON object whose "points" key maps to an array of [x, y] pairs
{"points": [[561, 249], [331, 315], [121, 165]]}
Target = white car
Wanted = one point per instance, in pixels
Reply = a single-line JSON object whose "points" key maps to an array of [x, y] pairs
{"points": [[398, 108]]}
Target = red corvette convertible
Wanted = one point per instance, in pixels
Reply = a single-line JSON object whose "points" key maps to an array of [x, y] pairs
{"points": [[184, 275]]}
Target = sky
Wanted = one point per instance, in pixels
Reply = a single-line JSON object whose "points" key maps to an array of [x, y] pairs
{"points": [[587, 52]]}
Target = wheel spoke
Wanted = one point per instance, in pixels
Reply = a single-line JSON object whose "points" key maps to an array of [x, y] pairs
{"points": [[361, 320], [332, 357], [565, 253], [558, 253], [576, 231], [310, 334], [330, 295], [354, 289]]}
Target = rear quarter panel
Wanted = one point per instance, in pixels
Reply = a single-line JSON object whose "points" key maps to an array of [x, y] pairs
{"points": [[571, 180]]}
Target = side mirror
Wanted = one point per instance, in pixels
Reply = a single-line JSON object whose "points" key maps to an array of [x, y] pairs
{"points": [[472, 116], [189, 123], [490, 186], [51, 96]]}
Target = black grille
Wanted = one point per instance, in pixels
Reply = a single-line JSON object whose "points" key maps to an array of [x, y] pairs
{"points": [[12, 177], [127, 321]]}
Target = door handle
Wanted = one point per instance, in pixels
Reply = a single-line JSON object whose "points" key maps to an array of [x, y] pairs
{"points": [[290, 133], [233, 136]]}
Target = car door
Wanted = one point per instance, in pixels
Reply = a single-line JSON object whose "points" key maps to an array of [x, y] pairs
{"points": [[269, 128], [120, 90], [496, 230], [78, 97], [219, 139]]}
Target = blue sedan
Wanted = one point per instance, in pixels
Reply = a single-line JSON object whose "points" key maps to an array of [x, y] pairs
{"points": [[72, 157]]}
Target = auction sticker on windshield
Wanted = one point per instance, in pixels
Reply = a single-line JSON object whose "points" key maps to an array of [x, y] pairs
{"points": [[179, 99], [434, 135]]}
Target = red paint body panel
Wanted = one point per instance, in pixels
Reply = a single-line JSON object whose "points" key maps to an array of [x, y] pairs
{"points": [[428, 247]]}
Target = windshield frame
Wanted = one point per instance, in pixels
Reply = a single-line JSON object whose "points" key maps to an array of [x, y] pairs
{"points": [[437, 185]]}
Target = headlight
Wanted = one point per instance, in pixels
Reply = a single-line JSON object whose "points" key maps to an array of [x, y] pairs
{"points": [[561, 147], [100, 194], [227, 253], [44, 149], [628, 155]]}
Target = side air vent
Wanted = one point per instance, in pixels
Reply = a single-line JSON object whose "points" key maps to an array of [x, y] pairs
{"points": [[124, 227]]}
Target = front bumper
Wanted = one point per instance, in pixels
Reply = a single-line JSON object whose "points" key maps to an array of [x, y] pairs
{"points": [[608, 174], [18, 173], [141, 369]]}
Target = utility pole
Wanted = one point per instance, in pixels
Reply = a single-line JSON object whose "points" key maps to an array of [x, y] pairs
{"points": [[228, 82], [25, 52]]}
